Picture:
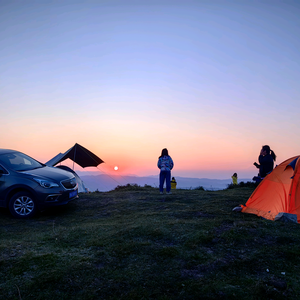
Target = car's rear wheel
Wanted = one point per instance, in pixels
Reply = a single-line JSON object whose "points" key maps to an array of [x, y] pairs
{"points": [[22, 205]]}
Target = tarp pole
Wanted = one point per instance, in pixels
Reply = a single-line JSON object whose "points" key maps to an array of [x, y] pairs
{"points": [[74, 157]]}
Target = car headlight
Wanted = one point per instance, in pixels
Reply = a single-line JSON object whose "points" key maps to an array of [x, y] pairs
{"points": [[45, 183]]}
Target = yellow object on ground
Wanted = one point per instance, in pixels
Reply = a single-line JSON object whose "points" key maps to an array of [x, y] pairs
{"points": [[173, 184]]}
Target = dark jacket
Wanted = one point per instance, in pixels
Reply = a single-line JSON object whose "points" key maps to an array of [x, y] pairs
{"points": [[266, 165]]}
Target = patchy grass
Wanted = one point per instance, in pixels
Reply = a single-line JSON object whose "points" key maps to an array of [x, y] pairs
{"points": [[249, 184], [133, 243]]}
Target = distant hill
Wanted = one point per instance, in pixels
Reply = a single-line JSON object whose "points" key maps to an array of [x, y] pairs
{"points": [[105, 183]]}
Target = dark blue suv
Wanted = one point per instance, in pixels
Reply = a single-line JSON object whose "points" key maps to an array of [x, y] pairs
{"points": [[27, 185]]}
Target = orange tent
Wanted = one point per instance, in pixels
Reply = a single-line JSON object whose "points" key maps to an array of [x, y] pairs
{"points": [[279, 192]]}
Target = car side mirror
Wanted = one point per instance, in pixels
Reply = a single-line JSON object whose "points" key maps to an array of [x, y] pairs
{"points": [[1, 172]]}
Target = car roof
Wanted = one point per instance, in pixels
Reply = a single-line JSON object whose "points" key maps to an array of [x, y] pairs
{"points": [[4, 151]]}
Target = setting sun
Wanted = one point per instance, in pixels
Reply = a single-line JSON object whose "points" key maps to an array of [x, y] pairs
{"points": [[116, 168]]}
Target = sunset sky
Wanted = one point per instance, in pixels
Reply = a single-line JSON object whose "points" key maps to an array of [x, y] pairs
{"points": [[210, 80]]}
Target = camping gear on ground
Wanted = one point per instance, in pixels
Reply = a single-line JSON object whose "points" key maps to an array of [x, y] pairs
{"points": [[278, 193]]}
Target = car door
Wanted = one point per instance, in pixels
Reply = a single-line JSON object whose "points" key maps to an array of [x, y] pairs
{"points": [[3, 175]]}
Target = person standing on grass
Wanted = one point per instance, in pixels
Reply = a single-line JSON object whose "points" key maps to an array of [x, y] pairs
{"points": [[165, 164], [234, 179]]}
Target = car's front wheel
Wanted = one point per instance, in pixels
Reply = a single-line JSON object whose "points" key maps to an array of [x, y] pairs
{"points": [[22, 205]]}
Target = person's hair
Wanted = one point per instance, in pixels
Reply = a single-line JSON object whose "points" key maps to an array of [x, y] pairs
{"points": [[234, 174], [269, 151], [164, 152]]}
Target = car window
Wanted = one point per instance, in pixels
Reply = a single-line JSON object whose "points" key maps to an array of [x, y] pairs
{"points": [[2, 170], [19, 161]]}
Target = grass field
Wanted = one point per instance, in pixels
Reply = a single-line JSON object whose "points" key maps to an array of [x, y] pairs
{"points": [[133, 243]]}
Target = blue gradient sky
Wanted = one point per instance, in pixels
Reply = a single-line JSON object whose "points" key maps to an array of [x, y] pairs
{"points": [[212, 81]]}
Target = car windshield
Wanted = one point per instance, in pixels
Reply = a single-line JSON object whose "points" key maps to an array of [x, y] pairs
{"points": [[18, 161]]}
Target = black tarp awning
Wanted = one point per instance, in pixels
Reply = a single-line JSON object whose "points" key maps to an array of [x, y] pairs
{"points": [[82, 156]]}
